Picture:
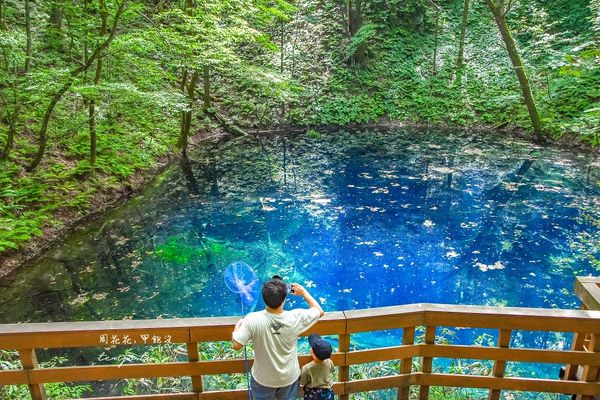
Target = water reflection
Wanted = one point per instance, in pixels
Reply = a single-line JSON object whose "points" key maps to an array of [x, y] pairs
{"points": [[363, 219]]}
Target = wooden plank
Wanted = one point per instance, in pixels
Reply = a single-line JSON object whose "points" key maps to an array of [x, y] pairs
{"points": [[136, 371], [500, 365], [14, 377], [332, 323], [382, 354], [169, 396], [102, 333], [519, 384], [383, 318], [408, 338], [473, 381], [339, 387], [344, 370], [386, 382], [534, 319], [194, 355], [30, 364], [512, 354], [84, 334], [427, 361], [94, 338], [116, 325]]}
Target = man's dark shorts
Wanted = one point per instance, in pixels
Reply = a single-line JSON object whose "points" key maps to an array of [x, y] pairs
{"points": [[318, 394]]}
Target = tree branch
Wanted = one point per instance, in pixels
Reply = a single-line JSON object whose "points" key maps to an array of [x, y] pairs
{"points": [[508, 7]]}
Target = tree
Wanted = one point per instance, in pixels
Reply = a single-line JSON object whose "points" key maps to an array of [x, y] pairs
{"points": [[463, 35], [11, 72], [97, 77], [188, 89], [28, 33], [75, 73], [436, 36], [54, 29], [500, 8], [358, 53], [3, 25]]}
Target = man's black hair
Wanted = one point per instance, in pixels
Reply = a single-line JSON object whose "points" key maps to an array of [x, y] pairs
{"points": [[274, 291]]}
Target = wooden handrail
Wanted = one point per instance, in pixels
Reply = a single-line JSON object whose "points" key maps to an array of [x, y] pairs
{"points": [[587, 288], [27, 338]]}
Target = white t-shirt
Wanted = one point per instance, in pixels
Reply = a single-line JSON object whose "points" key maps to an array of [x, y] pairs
{"points": [[275, 338]]}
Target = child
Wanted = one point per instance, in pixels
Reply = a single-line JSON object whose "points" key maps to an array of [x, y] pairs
{"points": [[317, 375]]}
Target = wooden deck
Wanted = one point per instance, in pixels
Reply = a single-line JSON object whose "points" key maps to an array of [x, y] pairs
{"points": [[583, 360]]}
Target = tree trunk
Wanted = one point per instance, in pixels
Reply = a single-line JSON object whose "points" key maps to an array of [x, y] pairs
{"points": [[355, 22], [42, 138], [463, 35], [186, 121], [281, 45], [97, 77], [436, 40], [500, 17], [10, 139], [56, 15], [3, 26], [28, 34], [53, 34], [206, 85], [182, 86], [11, 118]]}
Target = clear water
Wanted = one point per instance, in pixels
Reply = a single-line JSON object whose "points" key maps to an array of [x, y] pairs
{"points": [[362, 219]]}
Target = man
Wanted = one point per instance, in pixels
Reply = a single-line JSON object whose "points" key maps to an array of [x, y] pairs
{"points": [[274, 332]]}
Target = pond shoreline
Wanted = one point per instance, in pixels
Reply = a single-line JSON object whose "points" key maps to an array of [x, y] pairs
{"points": [[101, 203], [104, 202]]}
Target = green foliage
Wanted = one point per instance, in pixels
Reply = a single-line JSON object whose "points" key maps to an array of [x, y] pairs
{"points": [[313, 134], [55, 391], [365, 34]]}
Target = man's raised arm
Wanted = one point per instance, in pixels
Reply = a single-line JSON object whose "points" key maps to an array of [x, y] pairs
{"points": [[299, 290]]}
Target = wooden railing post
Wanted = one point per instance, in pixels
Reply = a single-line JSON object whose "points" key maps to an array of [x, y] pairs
{"points": [[344, 370], [500, 365], [578, 341], [194, 355], [29, 362], [590, 372], [408, 338], [427, 361]]}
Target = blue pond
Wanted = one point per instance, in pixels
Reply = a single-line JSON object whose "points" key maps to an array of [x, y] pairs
{"points": [[362, 219]]}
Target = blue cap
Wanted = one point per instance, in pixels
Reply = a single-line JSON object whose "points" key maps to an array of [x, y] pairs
{"points": [[320, 347]]}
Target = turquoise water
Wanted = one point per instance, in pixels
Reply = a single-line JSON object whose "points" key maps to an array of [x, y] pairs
{"points": [[362, 219]]}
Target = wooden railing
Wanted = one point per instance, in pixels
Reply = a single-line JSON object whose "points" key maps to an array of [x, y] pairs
{"points": [[588, 290], [27, 338]]}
